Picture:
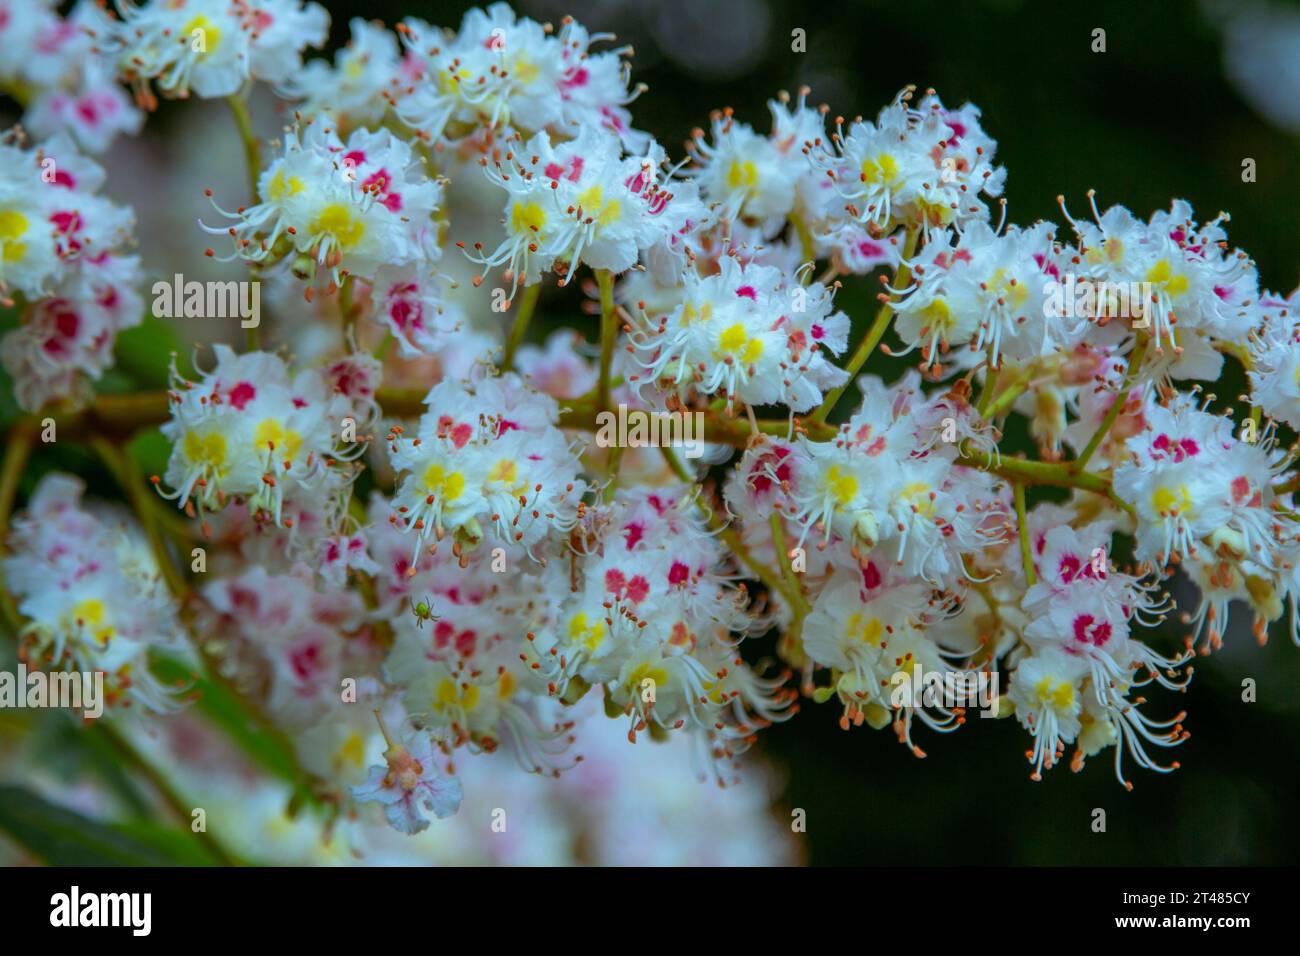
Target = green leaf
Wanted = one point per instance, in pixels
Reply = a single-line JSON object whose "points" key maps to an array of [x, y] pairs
{"points": [[144, 352], [61, 837], [150, 451], [228, 712]]}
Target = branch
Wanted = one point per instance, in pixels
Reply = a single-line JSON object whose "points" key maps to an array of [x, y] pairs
{"points": [[523, 315], [1134, 365]]}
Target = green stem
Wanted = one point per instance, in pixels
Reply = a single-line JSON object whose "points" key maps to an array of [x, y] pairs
{"points": [[142, 499], [163, 786], [252, 150], [18, 450], [728, 534], [1134, 365], [874, 334], [1006, 398], [608, 332], [612, 467], [524, 315], [253, 161], [794, 587], [991, 375], [1026, 553], [347, 312], [806, 245], [1042, 473], [1288, 486]]}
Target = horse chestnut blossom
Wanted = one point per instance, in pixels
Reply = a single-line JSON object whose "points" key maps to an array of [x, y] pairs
{"points": [[50, 64], [91, 593], [750, 334], [249, 430], [208, 47], [404, 565], [502, 72], [351, 207], [63, 260]]}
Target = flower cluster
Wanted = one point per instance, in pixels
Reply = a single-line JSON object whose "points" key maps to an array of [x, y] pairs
{"points": [[50, 64], [282, 445], [489, 575], [355, 207], [207, 47], [92, 593], [486, 461], [752, 334], [62, 256], [583, 201], [500, 72]]}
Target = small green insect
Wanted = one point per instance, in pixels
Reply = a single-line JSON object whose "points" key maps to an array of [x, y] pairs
{"points": [[423, 611]]}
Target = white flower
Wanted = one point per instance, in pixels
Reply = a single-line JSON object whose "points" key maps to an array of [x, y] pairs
{"points": [[486, 459], [1189, 283], [91, 591], [410, 784], [762, 179], [250, 430], [1275, 359], [1187, 476], [1047, 691], [922, 166], [988, 289], [349, 208], [877, 484], [209, 47], [61, 248], [751, 334], [581, 201], [354, 87], [502, 72]]}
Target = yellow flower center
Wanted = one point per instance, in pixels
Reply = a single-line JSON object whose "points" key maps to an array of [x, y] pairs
{"points": [[451, 694], [272, 435], [209, 34], [1172, 501], [1057, 694], [1162, 273], [742, 174], [338, 220], [737, 342], [282, 186], [880, 171], [13, 226], [352, 752], [843, 487], [208, 450], [524, 70], [938, 314], [90, 614], [864, 630], [447, 485], [527, 216], [593, 203], [917, 494], [582, 630]]}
